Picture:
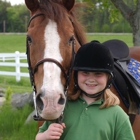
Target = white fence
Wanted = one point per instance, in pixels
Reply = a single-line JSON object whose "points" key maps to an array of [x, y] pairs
{"points": [[17, 56]]}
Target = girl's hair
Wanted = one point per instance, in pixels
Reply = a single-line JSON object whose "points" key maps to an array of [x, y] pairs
{"points": [[76, 92], [110, 99]]}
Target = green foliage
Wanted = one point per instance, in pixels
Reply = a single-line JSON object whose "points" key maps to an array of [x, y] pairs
{"points": [[14, 13], [3, 6], [121, 27], [105, 28], [114, 15], [8, 94], [12, 124], [12, 17], [93, 15], [98, 15], [116, 27]]}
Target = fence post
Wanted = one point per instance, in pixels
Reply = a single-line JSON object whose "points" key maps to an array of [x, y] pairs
{"points": [[17, 59], [3, 59]]}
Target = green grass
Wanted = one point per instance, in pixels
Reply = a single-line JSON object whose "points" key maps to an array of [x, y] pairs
{"points": [[127, 38], [9, 43], [17, 87], [17, 42], [12, 123]]}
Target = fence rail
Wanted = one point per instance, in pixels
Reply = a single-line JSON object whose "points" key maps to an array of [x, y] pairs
{"points": [[17, 56]]}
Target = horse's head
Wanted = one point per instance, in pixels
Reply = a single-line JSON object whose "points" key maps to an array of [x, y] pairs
{"points": [[53, 36]]}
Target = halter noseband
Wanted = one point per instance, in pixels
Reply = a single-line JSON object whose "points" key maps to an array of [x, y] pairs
{"points": [[33, 70]]}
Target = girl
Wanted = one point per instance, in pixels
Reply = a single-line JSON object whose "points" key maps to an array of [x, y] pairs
{"points": [[92, 111]]}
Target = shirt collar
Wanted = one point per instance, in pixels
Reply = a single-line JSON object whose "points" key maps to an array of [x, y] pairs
{"points": [[98, 102]]}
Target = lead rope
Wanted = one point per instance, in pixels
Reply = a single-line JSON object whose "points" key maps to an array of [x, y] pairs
{"points": [[35, 106]]}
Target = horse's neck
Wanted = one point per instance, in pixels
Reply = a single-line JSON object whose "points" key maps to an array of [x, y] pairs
{"points": [[135, 53]]}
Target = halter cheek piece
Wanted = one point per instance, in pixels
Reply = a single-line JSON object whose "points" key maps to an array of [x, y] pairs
{"points": [[32, 71]]}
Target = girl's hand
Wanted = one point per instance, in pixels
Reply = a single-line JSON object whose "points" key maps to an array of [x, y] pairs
{"points": [[54, 131]]}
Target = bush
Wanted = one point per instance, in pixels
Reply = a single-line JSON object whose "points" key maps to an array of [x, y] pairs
{"points": [[105, 28], [8, 94], [116, 28]]}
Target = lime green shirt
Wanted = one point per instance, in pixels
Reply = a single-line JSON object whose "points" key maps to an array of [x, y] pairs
{"points": [[89, 122]]}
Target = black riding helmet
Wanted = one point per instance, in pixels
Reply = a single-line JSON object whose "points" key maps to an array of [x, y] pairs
{"points": [[94, 57]]}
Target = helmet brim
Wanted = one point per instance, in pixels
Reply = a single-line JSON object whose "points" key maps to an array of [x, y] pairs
{"points": [[91, 69]]}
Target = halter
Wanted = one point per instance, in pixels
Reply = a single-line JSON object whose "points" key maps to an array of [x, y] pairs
{"points": [[32, 71]]}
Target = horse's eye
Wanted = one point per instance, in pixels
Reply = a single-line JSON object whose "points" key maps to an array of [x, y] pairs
{"points": [[29, 40], [71, 39]]}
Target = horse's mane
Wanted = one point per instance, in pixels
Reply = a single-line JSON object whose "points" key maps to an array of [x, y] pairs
{"points": [[54, 10]]}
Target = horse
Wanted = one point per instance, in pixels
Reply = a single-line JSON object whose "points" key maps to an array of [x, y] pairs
{"points": [[134, 53], [53, 37]]}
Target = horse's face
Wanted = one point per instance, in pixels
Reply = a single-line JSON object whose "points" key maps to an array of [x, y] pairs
{"points": [[48, 39]]}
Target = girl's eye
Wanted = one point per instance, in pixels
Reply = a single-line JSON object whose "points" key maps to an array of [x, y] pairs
{"points": [[85, 72], [98, 73]]}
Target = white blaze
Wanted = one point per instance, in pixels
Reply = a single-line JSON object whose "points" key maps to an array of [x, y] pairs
{"points": [[51, 80]]}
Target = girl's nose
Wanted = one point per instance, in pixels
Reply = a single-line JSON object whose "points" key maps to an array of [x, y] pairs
{"points": [[92, 77]]}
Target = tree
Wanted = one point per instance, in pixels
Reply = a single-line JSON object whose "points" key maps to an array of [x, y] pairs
{"points": [[14, 14], [13, 18], [129, 9], [132, 16], [96, 18], [3, 7]]}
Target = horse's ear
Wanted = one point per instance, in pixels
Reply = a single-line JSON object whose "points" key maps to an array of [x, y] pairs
{"points": [[68, 4], [32, 5]]}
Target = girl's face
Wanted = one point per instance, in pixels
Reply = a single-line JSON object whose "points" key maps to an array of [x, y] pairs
{"points": [[92, 82]]}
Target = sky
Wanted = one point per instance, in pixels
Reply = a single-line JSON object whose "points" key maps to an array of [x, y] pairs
{"points": [[13, 2]]}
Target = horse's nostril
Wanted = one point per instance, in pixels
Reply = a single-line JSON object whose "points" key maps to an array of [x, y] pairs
{"points": [[39, 103], [61, 101]]}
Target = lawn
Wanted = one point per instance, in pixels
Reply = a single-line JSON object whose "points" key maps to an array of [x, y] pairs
{"points": [[17, 42], [12, 42], [127, 38], [12, 123]]}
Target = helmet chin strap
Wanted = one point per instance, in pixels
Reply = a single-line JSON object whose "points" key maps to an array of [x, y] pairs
{"points": [[94, 95]]}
